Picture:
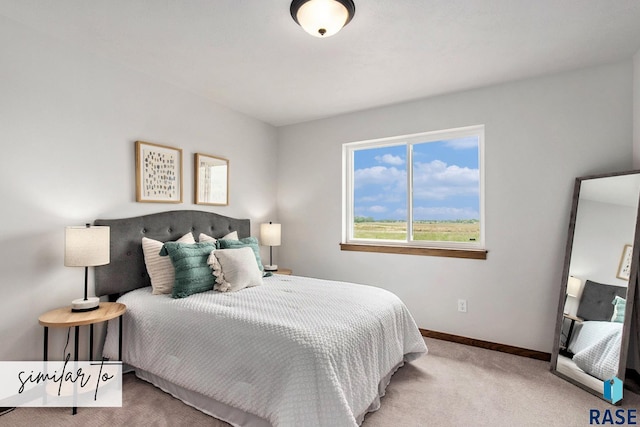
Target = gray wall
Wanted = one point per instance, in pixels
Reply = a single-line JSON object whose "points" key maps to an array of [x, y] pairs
{"points": [[602, 231], [68, 122], [540, 135]]}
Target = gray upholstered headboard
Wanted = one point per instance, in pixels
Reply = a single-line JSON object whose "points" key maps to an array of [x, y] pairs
{"points": [[127, 271]]}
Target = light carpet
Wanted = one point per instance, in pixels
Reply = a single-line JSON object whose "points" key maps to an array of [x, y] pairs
{"points": [[453, 385]]}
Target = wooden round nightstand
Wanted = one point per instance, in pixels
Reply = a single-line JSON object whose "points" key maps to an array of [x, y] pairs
{"points": [[285, 271], [65, 318]]}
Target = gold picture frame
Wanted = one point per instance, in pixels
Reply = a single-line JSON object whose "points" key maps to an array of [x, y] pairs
{"points": [[211, 180], [158, 173], [624, 268]]}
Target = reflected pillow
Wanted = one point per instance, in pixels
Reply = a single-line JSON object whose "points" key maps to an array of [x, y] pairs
{"points": [[159, 268], [193, 274], [234, 269], [619, 305]]}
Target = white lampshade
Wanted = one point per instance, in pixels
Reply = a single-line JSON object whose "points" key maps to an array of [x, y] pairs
{"points": [[573, 286], [86, 246], [322, 18], [270, 234]]}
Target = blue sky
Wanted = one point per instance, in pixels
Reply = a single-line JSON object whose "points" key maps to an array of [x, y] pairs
{"points": [[445, 181]]}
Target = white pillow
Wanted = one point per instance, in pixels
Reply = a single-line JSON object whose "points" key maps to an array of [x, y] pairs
{"points": [[234, 269], [206, 238], [160, 268]]}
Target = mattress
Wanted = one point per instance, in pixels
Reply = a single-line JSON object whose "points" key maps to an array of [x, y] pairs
{"points": [[294, 351]]}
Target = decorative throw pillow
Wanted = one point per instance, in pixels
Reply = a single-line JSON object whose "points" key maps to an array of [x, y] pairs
{"points": [[206, 238], [160, 269], [193, 274], [234, 269], [250, 242], [619, 306]]}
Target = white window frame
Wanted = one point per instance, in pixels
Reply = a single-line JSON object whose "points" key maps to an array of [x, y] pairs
{"points": [[348, 150]]}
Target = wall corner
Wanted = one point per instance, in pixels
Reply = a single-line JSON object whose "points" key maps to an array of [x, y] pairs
{"points": [[636, 110]]}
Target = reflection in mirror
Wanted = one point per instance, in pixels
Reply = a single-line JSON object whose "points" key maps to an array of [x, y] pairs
{"points": [[599, 278], [211, 180]]}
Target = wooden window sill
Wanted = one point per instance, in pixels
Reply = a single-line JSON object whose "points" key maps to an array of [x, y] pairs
{"points": [[414, 250]]}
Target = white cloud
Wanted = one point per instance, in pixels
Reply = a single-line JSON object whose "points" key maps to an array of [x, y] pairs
{"points": [[437, 180], [463, 143], [369, 199], [379, 175], [389, 197], [390, 159], [374, 210], [377, 209], [383, 191]]}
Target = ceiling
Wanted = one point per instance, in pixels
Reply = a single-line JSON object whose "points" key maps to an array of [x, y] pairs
{"points": [[617, 190], [250, 56]]}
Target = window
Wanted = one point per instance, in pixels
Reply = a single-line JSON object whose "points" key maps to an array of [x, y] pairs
{"points": [[416, 191]]}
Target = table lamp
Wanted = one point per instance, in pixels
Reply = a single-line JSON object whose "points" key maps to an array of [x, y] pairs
{"points": [[573, 288], [270, 236], [86, 246]]}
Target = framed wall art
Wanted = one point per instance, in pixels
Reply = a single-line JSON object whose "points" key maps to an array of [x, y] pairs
{"points": [[211, 180], [624, 269], [158, 173]]}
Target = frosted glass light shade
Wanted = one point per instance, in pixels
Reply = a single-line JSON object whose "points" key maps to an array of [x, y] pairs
{"points": [[86, 246], [270, 234], [322, 18]]}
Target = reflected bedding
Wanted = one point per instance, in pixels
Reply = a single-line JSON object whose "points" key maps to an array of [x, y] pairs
{"points": [[596, 348]]}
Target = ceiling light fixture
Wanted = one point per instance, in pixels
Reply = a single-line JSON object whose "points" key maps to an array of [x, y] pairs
{"points": [[322, 18]]}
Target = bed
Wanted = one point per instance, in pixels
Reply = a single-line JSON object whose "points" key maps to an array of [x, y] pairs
{"points": [[596, 340], [292, 351]]}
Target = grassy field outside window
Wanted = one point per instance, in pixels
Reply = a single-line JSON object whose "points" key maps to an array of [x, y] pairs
{"points": [[434, 231]]}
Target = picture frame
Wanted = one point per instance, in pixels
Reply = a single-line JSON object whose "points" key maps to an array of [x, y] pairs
{"points": [[158, 173], [211, 180], [624, 268]]}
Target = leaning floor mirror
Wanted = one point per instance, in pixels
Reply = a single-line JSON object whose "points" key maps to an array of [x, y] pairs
{"points": [[594, 317]]}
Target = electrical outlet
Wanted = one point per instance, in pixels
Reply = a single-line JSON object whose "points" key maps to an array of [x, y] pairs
{"points": [[462, 305]]}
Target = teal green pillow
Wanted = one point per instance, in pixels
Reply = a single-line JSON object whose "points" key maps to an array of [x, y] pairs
{"points": [[619, 306], [251, 242], [193, 274]]}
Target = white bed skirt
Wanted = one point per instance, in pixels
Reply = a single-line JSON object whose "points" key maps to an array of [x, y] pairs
{"points": [[219, 410], [231, 415]]}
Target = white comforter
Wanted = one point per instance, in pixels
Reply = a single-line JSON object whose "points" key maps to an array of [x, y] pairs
{"points": [[295, 351], [597, 348]]}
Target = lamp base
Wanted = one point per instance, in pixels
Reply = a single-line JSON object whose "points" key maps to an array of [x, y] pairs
{"points": [[272, 267], [81, 304]]}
